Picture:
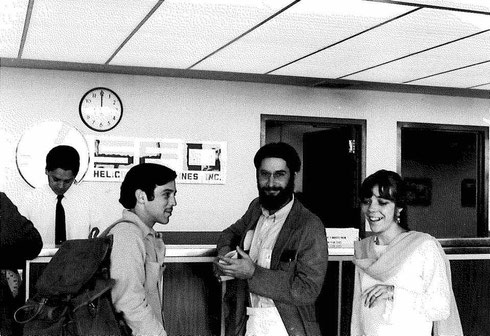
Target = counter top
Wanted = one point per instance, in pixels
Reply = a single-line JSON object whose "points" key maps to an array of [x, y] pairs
{"points": [[191, 250], [450, 246]]}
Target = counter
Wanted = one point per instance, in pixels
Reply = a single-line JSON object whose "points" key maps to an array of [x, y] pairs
{"points": [[192, 295]]}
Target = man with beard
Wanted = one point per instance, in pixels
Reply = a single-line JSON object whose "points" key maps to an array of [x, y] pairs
{"points": [[276, 255]]}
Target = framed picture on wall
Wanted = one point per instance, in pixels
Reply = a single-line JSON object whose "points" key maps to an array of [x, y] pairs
{"points": [[419, 191]]}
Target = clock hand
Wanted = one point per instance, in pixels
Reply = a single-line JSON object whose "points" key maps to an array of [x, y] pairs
{"points": [[101, 98]]}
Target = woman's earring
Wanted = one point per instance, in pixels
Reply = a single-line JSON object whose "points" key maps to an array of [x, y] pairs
{"points": [[398, 216]]}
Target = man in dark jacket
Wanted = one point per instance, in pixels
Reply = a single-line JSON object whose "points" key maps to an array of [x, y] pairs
{"points": [[19, 241], [281, 255]]}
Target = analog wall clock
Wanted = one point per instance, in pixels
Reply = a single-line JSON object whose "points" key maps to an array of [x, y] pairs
{"points": [[101, 109]]}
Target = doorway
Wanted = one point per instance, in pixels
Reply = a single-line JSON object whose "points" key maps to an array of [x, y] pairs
{"points": [[332, 155], [446, 170]]}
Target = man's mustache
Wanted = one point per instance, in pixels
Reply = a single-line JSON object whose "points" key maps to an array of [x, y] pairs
{"points": [[272, 189]]}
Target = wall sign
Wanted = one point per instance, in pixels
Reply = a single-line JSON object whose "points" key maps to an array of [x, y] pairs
{"points": [[194, 162]]}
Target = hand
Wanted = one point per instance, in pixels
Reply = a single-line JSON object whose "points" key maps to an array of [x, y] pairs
{"points": [[373, 295], [217, 270], [242, 268]]}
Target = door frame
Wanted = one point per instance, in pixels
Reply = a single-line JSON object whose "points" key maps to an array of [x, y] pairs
{"points": [[323, 121], [293, 119], [482, 134]]}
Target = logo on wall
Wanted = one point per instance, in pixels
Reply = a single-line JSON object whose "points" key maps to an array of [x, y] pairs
{"points": [[194, 162]]}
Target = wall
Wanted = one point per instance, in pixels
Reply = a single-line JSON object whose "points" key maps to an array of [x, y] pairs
{"points": [[206, 110]]}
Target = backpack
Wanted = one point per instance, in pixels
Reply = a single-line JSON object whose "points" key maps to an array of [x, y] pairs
{"points": [[73, 294]]}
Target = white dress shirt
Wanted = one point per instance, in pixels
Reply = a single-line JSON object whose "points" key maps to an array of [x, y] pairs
{"points": [[39, 206], [264, 239]]}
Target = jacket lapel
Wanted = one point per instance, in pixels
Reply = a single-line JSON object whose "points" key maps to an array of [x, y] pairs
{"points": [[252, 224], [285, 234]]}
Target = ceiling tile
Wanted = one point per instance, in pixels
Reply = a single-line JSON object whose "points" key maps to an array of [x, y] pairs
{"points": [[81, 31], [471, 5], [450, 56], [464, 78], [12, 17], [483, 87], [409, 34], [304, 28], [180, 33]]}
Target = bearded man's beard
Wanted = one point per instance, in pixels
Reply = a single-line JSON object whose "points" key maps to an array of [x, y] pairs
{"points": [[275, 202]]}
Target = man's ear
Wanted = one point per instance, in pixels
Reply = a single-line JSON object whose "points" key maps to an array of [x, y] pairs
{"points": [[140, 196]]}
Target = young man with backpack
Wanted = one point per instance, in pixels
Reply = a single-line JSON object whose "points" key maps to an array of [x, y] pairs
{"points": [[148, 196]]}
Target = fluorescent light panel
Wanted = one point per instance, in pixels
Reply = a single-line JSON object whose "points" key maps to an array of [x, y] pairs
{"points": [[306, 27], [180, 33], [81, 31], [409, 34], [12, 17], [470, 5], [463, 78], [451, 56]]}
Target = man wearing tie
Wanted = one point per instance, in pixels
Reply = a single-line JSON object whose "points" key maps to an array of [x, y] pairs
{"points": [[59, 210]]}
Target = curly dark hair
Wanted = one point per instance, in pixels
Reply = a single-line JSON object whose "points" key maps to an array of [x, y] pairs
{"points": [[279, 150]]}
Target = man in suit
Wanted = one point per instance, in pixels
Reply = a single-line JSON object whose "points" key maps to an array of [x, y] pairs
{"points": [[276, 253]]}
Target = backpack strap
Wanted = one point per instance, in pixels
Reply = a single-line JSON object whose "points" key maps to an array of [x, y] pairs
{"points": [[94, 233]]}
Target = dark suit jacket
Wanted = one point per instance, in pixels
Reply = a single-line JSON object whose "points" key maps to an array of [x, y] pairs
{"points": [[19, 241], [295, 279]]}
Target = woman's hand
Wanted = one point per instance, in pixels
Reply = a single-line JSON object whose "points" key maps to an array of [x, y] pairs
{"points": [[373, 295]]}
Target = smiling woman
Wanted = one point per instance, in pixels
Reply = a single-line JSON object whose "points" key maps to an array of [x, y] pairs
{"points": [[402, 278]]}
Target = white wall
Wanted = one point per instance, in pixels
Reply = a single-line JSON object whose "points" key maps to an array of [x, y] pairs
{"points": [[206, 110]]}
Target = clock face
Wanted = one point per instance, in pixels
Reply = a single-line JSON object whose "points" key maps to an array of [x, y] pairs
{"points": [[101, 109]]}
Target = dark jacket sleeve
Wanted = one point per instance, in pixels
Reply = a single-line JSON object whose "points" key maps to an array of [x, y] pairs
{"points": [[19, 239], [231, 237]]}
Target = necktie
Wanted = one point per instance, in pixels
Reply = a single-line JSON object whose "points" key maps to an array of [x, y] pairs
{"points": [[60, 233]]}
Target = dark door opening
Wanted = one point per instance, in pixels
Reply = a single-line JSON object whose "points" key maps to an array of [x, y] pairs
{"points": [[330, 181], [446, 169], [331, 152], [332, 155]]}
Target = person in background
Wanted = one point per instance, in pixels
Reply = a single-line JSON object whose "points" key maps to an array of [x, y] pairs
{"points": [[59, 210], [277, 253], [19, 241], [148, 196], [402, 277]]}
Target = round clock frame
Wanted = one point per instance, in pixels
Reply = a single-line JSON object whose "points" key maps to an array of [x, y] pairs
{"points": [[101, 109]]}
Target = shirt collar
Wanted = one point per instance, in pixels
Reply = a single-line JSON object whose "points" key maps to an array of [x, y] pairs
{"points": [[70, 191], [281, 213], [66, 195], [132, 217]]}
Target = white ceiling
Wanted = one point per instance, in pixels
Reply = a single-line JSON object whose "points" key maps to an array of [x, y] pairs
{"points": [[413, 43]]}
